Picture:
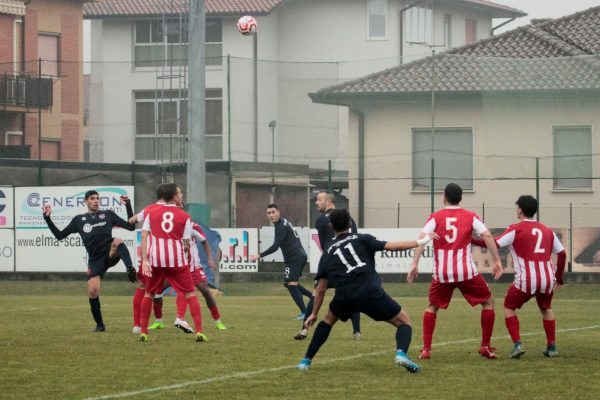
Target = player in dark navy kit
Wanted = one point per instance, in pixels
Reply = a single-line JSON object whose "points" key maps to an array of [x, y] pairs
{"points": [[350, 259], [104, 251], [326, 204], [294, 256]]}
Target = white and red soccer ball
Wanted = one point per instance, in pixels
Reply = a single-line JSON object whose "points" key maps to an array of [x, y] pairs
{"points": [[246, 25]]}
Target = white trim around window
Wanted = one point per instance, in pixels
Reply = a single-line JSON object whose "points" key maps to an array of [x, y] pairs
{"points": [[377, 19]]}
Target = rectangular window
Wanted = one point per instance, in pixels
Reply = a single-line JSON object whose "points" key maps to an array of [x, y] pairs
{"points": [[572, 157], [452, 152], [377, 20], [447, 31], [160, 44], [48, 51], [471, 30], [418, 24], [161, 125]]}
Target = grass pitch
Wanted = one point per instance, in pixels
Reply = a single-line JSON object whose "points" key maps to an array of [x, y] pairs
{"points": [[48, 352]]}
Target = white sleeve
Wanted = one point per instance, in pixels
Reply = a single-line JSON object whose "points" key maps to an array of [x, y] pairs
{"points": [[478, 226], [187, 232], [196, 235], [507, 238], [146, 226], [140, 216], [557, 246], [429, 226]]}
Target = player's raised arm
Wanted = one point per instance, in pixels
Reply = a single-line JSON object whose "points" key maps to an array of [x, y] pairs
{"points": [[58, 234], [120, 222], [411, 244]]}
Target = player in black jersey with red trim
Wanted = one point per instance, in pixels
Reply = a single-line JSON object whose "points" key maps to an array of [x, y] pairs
{"points": [[104, 251]]}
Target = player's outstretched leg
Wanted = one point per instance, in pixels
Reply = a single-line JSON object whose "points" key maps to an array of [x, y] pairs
{"points": [[211, 303], [319, 338], [403, 338]]}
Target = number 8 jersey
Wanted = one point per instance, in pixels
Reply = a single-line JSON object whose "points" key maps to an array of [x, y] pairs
{"points": [[168, 226], [452, 251]]}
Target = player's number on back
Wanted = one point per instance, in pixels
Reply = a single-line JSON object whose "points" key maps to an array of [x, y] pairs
{"points": [[167, 222], [452, 229], [349, 268], [538, 243]]}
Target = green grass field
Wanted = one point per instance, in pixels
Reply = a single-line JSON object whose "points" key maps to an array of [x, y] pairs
{"points": [[48, 352]]}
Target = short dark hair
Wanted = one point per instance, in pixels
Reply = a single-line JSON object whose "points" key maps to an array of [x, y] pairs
{"points": [[90, 193], [453, 193], [340, 219], [330, 195], [528, 204], [273, 205], [166, 191]]}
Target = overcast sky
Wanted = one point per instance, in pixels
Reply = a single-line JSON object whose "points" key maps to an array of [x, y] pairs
{"points": [[543, 9]]}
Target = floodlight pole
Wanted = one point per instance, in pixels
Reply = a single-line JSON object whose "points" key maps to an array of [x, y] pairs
{"points": [[196, 160]]}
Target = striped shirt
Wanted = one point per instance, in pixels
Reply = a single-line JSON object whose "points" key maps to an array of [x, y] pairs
{"points": [[168, 226], [452, 251], [531, 245], [197, 237]]}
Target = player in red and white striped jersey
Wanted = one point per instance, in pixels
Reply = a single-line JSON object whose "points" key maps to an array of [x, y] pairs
{"points": [[200, 280], [531, 245], [454, 267], [169, 229], [142, 282]]}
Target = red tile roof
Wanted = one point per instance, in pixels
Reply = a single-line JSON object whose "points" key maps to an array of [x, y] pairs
{"points": [[123, 8], [558, 54]]}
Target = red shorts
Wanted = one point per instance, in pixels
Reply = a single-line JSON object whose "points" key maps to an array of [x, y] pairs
{"points": [[515, 298], [179, 278], [475, 291], [143, 278], [198, 276]]}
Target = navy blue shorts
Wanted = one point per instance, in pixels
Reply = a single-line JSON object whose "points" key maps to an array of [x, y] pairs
{"points": [[293, 270], [99, 266], [380, 307]]}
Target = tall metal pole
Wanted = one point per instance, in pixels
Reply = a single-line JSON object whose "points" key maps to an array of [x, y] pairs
{"points": [[39, 121], [255, 91], [196, 160], [230, 178]]}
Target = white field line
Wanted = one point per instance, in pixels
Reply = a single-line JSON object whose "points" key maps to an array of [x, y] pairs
{"points": [[47, 308], [247, 374]]}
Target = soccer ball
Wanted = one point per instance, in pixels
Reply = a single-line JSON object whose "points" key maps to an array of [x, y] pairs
{"points": [[246, 25]]}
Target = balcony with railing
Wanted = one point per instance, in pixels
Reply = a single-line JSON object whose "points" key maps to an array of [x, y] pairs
{"points": [[25, 90]]}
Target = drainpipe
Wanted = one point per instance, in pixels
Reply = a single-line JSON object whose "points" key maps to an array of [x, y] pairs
{"points": [[361, 164]]}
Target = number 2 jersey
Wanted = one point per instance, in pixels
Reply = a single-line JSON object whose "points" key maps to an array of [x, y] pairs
{"points": [[168, 226], [531, 245], [452, 251], [350, 262]]}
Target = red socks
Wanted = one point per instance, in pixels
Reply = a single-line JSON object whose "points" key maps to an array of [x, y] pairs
{"points": [[214, 312], [181, 303], [428, 328], [145, 308], [192, 301], [487, 326], [512, 324], [550, 328], [137, 305]]}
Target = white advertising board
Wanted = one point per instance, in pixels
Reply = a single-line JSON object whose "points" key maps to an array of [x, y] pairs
{"points": [[386, 262], [237, 245], [7, 250], [6, 207], [38, 250], [267, 236]]}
